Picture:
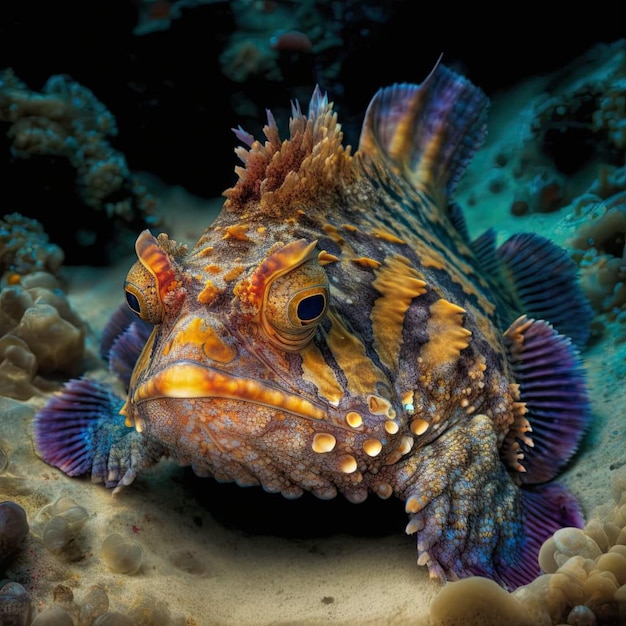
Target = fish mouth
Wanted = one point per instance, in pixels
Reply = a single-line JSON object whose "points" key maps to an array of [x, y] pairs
{"points": [[186, 379]]}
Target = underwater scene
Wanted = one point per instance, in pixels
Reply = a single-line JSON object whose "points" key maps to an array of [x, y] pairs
{"points": [[312, 313]]}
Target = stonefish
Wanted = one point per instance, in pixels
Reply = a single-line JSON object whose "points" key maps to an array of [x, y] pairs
{"points": [[335, 330]]}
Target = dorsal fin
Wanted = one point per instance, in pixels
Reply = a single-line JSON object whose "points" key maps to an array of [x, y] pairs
{"points": [[428, 133], [277, 171]]}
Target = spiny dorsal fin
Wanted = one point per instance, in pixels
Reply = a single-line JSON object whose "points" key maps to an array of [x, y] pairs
{"points": [[428, 132], [311, 162]]}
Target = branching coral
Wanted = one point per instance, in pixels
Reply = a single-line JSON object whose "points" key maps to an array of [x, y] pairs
{"points": [[65, 119], [24, 248]]}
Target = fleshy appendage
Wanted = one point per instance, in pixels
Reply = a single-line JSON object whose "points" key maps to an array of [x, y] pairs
{"points": [[483, 509], [80, 431], [470, 517]]}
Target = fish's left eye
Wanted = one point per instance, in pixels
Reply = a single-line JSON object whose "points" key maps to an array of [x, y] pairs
{"points": [[295, 304], [142, 294]]}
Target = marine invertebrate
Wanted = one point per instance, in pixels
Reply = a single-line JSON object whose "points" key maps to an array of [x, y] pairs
{"points": [[25, 248], [66, 119], [585, 118], [249, 58], [40, 335], [599, 248]]}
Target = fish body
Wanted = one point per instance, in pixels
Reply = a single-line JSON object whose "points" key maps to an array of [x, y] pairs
{"points": [[336, 331]]}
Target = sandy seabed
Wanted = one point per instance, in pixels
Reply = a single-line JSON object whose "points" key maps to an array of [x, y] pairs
{"points": [[217, 554]]}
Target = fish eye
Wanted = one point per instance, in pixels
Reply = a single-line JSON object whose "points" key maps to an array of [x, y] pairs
{"points": [[132, 301], [296, 303], [309, 308], [142, 294]]}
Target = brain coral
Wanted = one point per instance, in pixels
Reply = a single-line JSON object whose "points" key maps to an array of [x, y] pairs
{"points": [[40, 335]]}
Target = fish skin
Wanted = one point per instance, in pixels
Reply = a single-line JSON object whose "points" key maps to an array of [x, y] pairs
{"points": [[334, 330]]}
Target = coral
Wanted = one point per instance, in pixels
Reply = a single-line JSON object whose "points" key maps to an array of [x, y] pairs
{"points": [[599, 248], [66, 120], [40, 335], [573, 129], [610, 116], [586, 115], [25, 248], [583, 580], [248, 58]]}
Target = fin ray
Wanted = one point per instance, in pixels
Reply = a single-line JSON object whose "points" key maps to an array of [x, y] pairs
{"points": [[551, 379], [429, 132]]}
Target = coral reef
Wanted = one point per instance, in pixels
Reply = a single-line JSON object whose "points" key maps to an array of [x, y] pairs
{"points": [[25, 248], [65, 119], [41, 337], [66, 129], [40, 334], [599, 248], [568, 136]]}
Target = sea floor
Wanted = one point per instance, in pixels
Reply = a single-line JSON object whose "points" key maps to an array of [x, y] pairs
{"points": [[220, 555]]}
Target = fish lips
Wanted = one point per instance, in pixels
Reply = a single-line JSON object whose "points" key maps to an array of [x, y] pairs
{"points": [[188, 379]]}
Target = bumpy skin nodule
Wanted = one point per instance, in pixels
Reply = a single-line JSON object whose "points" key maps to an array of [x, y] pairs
{"points": [[335, 331]]}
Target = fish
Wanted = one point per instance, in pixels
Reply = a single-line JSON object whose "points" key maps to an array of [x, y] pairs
{"points": [[335, 330]]}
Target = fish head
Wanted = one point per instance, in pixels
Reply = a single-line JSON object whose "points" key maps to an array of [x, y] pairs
{"points": [[235, 378]]}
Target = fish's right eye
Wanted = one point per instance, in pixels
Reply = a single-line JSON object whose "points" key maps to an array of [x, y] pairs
{"points": [[142, 294]]}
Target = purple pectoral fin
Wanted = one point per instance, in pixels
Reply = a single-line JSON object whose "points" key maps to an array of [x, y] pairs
{"points": [[123, 340], [545, 509], [552, 384], [80, 431]]}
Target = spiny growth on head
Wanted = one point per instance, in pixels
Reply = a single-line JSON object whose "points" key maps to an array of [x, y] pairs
{"points": [[282, 175]]}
